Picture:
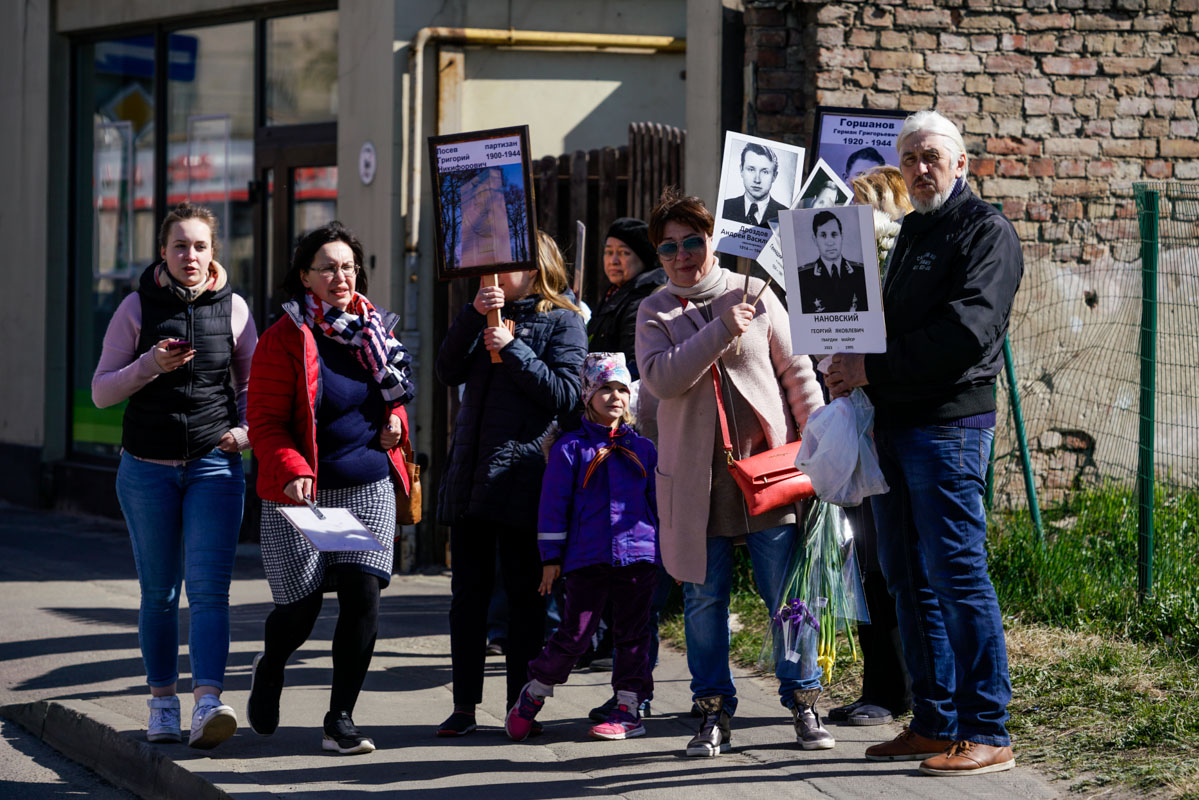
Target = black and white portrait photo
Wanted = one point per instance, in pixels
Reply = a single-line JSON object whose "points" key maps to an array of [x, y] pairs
{"points": [[757, 181], [759, 172], [832, 282], [824, 189], [830, 266]]}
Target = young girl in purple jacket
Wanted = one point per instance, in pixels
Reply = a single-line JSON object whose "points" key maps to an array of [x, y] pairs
{"points": [[597, 524]]}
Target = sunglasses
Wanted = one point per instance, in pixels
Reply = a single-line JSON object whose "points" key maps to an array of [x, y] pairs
{"points": [[669, 251]]}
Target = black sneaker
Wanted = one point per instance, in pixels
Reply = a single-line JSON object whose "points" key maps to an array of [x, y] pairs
{"points": [[342, 736], [459, 723], [601, 712], [262, 710]]}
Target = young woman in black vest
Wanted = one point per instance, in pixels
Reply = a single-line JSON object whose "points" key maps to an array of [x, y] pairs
{"points": [[179, 350]]}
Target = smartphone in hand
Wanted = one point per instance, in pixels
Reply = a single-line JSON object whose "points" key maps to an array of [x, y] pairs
{"points": [[178, 344]]}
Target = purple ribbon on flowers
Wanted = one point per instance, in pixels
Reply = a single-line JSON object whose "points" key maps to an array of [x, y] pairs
{"points": [[797, 611]]}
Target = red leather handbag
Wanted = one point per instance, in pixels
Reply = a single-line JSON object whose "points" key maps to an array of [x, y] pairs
{"points": [[768, 480]]}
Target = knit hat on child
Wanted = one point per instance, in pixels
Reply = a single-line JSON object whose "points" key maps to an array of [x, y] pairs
{"points": [[600, 368]]}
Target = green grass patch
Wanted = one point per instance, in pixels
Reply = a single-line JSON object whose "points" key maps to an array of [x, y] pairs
{"points": [[1084, 578]]}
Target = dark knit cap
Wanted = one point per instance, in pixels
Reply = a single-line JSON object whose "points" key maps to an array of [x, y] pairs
{"points": [[635, 234]]}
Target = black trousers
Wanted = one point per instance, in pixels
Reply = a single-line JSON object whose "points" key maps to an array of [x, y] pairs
{"points": [[289, 626], [475, 544], [885, 679]]}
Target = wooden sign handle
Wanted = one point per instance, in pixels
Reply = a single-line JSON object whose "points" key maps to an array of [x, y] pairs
{"points": [[494, 319]]}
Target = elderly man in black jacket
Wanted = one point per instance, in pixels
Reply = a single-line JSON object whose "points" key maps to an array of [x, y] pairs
{"points": [[947, 297]]}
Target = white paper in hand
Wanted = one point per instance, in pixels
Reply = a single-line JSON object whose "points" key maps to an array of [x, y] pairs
{"points": [[340, 530]]}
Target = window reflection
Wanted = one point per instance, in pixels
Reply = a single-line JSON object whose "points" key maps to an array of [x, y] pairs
{"points": [[314, 199], [301, 69], [116, 157], [210, 140]]}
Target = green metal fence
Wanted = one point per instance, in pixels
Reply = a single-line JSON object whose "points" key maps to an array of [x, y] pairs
{"points": [[1105, 345]]}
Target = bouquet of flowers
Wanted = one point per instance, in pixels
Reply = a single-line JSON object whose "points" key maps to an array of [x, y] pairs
{"points": [[822, 592], [885, 232]]}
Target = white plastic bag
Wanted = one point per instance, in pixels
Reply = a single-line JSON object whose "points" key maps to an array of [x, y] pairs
{"points": [[837, 452]]}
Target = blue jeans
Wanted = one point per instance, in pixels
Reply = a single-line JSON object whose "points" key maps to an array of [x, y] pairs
{"points": [[932, 532], [183, 523], [706, 617]]}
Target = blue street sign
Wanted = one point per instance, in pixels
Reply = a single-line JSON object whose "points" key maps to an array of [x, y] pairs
{"points": [[134, 57]]}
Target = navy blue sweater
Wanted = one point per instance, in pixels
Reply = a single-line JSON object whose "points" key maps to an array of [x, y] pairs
{"points": [[348, 420]]}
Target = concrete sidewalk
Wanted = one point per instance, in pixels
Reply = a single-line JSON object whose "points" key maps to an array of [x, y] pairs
{"points": [[71, 673]]}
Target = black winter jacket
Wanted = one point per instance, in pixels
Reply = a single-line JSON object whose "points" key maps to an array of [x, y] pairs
{"points": [[613, 326], [495, 461], [947, 298]]}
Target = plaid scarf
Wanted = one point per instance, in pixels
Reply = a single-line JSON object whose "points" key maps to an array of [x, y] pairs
{"points": [[360, 328]]}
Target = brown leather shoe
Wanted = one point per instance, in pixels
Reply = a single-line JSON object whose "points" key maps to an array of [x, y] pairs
{"points": [[969, 758], [907, 746]]}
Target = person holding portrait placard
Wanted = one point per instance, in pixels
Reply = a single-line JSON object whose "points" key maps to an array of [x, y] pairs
{"points": [[686, 348], [489, 492], [832, 283], [950, 285]]}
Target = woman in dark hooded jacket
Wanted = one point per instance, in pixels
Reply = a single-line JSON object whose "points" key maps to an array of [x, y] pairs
{"points": [[489, 493]]}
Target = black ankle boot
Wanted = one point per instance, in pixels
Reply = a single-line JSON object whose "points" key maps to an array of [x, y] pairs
{"points": [[714, 736]]}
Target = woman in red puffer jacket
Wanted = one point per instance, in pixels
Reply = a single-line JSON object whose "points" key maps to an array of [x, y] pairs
{"points": [[327, 395]]}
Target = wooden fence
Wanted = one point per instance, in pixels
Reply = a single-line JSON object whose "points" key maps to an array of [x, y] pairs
{"points": [[598, 186]]}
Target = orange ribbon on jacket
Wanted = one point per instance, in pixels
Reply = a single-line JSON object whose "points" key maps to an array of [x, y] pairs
{"points": [[611, 447]]}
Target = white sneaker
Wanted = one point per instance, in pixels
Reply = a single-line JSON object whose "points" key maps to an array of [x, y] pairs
{"points": [[212, 722], [164, 720]]}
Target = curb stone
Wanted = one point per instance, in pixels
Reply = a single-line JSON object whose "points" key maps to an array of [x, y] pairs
{"points": [[90, 735]]}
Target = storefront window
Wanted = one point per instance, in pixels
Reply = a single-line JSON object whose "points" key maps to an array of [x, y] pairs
{"points": [[301, 69], [210, 140], [116, 240], [211, 152]]}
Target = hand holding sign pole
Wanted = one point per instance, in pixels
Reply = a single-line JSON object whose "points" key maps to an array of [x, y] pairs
{"points": [[494, 318]]}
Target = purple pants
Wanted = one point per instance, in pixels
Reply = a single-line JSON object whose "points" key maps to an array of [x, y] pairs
{"points": [[588, 589]]}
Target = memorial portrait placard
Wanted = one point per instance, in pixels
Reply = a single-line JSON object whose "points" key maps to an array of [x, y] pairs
{"points": [[834, 297], [483, 202], [758, 179], [853, 140]]}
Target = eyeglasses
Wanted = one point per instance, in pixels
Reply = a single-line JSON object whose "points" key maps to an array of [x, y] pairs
{"points": [[669, 251], [329, 271]]}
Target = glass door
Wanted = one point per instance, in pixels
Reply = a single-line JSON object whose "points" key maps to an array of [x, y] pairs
{"points": [[297, 193]]}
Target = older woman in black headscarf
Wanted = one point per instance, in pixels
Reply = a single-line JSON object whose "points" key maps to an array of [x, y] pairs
{"points": [[633, 274]]}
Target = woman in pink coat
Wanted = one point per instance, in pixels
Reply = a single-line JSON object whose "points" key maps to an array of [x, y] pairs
{"points": [[681, 332]]}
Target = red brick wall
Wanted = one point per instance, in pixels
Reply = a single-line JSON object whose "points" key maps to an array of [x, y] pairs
{"points": [[1058, 100]]}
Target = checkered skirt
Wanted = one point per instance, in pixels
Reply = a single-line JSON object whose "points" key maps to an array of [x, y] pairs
{"points": [[296, 569]]}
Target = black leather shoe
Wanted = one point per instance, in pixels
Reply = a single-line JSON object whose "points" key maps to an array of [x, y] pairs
{"points": [[714, 736]]}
